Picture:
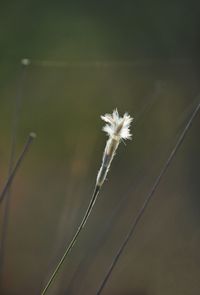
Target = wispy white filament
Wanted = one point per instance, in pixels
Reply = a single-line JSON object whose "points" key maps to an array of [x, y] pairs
{"points": [[117, 128]]}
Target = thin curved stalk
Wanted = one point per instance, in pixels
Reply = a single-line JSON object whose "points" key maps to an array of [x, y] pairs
{"points": [[117, 129], [75, 237]]}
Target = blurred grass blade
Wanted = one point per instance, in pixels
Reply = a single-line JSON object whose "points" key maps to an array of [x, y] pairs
{"points": [[8, 183], [15, 125]]}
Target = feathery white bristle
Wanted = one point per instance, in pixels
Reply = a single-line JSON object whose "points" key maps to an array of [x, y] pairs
{"points": [[117, 126]]}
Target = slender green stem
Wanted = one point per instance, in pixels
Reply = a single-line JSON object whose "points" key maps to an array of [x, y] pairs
{"points": [[74, 239], [17, 165], [148, 199]]}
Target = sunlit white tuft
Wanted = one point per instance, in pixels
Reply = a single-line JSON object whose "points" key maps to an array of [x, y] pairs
{"points": [[117, 129]]}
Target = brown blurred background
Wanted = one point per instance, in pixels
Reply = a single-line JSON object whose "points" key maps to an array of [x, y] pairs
{"points": [[86, 59]]}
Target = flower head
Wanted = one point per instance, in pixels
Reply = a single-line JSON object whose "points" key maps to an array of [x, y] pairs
{"points": [[117, 127]]}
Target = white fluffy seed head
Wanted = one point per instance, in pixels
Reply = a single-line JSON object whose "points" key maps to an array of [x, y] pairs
{"points": [[117, 127]]}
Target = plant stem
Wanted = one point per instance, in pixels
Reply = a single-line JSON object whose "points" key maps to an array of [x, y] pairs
{"points": [[15, 126], [8, 183], [148, 198], [74, 239]]}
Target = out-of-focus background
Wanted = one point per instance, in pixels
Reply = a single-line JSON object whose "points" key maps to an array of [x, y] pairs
{"points": [[86, 59]]}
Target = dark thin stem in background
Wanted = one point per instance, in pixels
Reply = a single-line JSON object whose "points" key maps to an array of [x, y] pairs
{"points": [[123, 200], [15, 123], [30, 139], [148, 198], [16, 114], [108, 226], [74, 239]]}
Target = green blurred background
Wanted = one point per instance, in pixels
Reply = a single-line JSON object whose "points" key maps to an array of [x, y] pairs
{"points": [[87, 58]]}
